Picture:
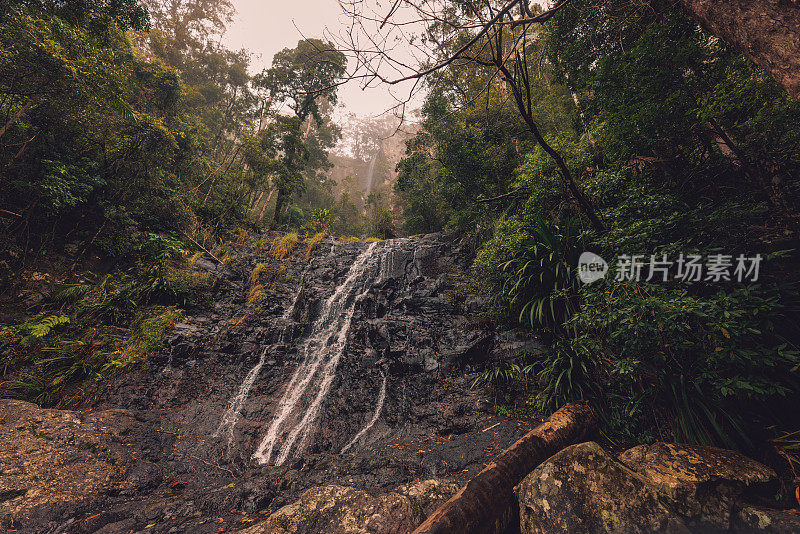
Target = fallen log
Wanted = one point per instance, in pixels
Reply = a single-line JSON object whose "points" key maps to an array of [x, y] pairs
{"points": [[487, 503]]}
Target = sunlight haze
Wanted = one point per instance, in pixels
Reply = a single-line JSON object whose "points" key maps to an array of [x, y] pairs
{"points": [[265, 27]]}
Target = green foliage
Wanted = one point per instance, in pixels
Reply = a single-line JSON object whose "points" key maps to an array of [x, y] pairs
{"points": [[148, 333], [454, 161], [709, 363], [108, 141], [682, 146], [498, 376], [564, 375], [540, 281], [43, 327], [382, 224], [305, 74], [321, 221], [100, 329], [292, 151]]}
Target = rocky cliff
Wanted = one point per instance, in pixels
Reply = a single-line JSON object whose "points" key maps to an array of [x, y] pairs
{"points": [[340, 365]]}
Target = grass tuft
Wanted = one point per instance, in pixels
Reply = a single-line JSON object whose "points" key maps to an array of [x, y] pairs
{"points": [[283, 246], [313, 242]]}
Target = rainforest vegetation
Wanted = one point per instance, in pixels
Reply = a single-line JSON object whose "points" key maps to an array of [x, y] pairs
{"points": [[674, 143], [133, 144]]}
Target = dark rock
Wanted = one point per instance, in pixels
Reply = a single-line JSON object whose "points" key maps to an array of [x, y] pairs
{"points": [[583, 489], [510, 344], [700, 483], [752, 519]]}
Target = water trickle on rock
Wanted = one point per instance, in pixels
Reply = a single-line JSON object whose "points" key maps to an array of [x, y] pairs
{"points": [[231, 415], [375, 415]]}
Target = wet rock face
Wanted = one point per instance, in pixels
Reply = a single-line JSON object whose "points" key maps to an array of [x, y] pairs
{"points": [[177, 455], [663, 487]]}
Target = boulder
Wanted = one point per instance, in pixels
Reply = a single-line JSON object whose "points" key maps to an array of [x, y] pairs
{"points": [[430, 494], [346, 510], [663, 487], [700, 483], [54, 459], [583, 489], [753, 519]]}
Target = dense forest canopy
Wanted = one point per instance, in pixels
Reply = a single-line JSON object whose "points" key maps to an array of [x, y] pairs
{"points": [[130, 139]]}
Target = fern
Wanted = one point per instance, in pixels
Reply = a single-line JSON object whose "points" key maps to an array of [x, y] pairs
{"points": [[43, 327], [69, 293]]}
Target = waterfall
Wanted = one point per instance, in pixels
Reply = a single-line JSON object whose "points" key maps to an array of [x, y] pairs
{"points": [[312, 379], [371, 172], [378, 408], [231, 415]]}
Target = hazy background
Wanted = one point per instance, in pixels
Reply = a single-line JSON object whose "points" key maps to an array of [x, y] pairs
{"points": [[265, 27]]}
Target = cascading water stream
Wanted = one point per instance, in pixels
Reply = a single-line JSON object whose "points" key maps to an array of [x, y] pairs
{"points": [[371, 173], [375, 415], [312, 379], [231, 415]]}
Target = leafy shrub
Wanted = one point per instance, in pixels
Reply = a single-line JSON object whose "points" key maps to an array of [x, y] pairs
{"points": [[43, 327], [706, 363], [321, 221], [283, 245], [540, 280], [564, 375]]}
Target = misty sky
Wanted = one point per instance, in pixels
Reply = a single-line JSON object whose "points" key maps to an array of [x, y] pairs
{"points": [[267, 26]]}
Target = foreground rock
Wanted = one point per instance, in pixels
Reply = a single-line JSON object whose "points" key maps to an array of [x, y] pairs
{"points": [[700, 483], [486, 504], [346, 510], [755, 519], [584, 489], [666, 488], [54, 461]]}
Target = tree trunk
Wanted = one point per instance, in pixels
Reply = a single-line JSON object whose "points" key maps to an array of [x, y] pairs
{"points": [[20, 112], [263, 209], [766, 31], [771, 185], [487, 504], [256, 200], [279, 202]]}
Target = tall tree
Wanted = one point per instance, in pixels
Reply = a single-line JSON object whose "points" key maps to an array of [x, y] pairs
{"points": [[304, 78], [305, 75]]}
